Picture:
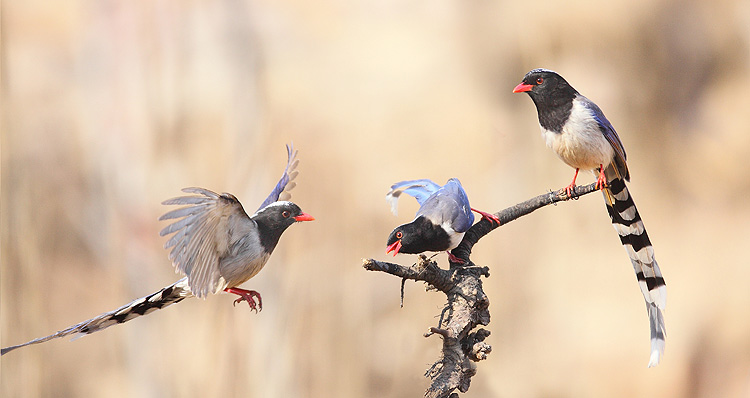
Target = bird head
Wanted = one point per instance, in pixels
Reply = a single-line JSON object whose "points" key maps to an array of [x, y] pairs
{"points": [[280, 215], [544, 82], [551, 95], [394, 241], [418, 236]]}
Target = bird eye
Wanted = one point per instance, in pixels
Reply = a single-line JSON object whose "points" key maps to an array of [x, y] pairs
{"points": [[539, 80], [399, 235], [285, 214]]}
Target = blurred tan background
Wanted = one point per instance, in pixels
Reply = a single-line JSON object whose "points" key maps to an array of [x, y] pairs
{"points": [[110, 107]]}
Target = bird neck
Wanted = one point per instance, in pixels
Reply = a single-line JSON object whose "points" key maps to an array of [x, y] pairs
{"points": [[268, 235], [554, 109], [427, 236]]}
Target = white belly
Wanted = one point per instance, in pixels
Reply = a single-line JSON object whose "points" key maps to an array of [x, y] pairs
{"points": [[581, 144]]}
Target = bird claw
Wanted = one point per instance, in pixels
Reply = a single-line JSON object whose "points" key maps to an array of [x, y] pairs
{"points": [[248, 296], [487, 216], [455, 259], [571, 190], [601, 181]]}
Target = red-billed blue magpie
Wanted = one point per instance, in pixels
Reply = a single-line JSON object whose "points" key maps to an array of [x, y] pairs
{"points": [[579, 133], [216, 245], [443, 217]]}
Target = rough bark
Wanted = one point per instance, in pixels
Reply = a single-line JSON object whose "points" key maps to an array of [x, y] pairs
{"points": [[468, 305]]}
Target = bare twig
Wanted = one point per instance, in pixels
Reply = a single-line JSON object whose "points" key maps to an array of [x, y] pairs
{"points": [[467, 305]]}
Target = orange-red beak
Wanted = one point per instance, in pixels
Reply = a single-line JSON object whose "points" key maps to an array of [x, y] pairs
{"points": [[395, 247], [304, 217], [522, 88]]}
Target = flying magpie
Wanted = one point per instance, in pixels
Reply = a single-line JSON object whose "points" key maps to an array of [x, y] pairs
{"points": [[216, 245]]}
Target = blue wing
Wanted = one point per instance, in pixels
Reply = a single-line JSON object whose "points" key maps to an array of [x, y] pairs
{"points": [[286, 183], [609, 133], [450, 205], [419, 189]]}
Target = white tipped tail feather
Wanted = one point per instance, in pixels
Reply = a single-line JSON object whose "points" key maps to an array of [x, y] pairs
{"points": [[171, 294], [629, 226]]}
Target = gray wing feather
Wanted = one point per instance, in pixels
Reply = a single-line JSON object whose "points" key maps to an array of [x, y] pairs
{"points": [[201, 236]]}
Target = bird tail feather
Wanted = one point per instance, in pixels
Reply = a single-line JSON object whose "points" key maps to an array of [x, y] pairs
{"points": [[171, 294], [629, 226]]}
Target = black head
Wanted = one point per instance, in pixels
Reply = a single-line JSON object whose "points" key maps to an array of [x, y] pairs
{"points": [[418, 236], [552, 95], [545, 85], [275, 218]]}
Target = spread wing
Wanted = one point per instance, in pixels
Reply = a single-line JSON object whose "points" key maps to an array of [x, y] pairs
{"points": [[419, 189], [286, 183], [202, 234]]}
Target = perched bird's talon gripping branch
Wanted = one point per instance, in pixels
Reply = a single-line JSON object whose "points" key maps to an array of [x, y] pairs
{"points": [[468, 305], [579, 133]]}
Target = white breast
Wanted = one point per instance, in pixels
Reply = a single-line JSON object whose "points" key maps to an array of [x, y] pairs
{"points": [[581, 144]]}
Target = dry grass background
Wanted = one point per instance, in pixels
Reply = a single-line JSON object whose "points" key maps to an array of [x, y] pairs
{"points": [[110, 107]]}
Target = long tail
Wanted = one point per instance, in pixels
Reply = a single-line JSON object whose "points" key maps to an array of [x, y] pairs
{"points": [[629, 226], [169, 295]]}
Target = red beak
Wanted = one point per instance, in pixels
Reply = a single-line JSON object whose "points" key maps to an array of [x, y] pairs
{"points": [[521, 88], [395, 247], [304, 217]]}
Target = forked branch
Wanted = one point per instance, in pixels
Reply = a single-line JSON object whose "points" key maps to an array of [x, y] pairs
{"points": [[467, 306]]}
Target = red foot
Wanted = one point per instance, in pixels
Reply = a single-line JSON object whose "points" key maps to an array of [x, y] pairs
{"points": [[247, 295], [487, 216], [569, 189], [601, 182], [454, 259]]}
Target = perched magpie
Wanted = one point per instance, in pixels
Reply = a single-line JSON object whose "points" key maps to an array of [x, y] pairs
{"points": [[579, 133], [215, 244], [441, 221]]}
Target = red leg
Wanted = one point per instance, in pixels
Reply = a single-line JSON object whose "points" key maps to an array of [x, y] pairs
{"points": [[454, 259], [601, 182], [487, 216], [569, 188], [247, 295]]}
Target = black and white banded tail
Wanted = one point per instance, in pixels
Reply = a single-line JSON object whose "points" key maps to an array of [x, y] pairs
{"points": [[629, 226], [169, 295]]}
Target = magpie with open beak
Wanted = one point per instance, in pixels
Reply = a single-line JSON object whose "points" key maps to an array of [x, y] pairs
{"points": [[441, 221]]}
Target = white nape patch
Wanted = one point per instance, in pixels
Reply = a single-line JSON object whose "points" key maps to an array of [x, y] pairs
{"points": [[636, 228], [629, 213], [623, 195], [272, 205], [581, 144]]}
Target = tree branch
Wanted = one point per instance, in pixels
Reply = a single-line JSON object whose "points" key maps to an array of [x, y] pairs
{"points": [[467, 305]]}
